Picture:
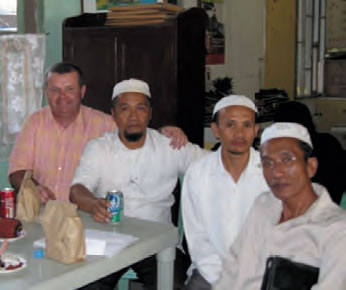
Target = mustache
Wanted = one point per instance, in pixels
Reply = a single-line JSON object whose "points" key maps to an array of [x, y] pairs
{"points": [[275, 182]]}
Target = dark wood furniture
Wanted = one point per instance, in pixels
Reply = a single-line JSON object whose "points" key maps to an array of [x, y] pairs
{"points": [[169, 56]]}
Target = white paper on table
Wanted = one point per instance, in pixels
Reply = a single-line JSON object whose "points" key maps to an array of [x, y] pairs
{"points": [[100, 243]]}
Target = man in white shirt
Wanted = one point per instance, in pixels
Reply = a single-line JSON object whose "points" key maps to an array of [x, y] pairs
{"points": [[296, 220], [219, 189], [136, 160]]}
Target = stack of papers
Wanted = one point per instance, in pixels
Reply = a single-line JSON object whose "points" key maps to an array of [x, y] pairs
{"points": [[100, 243], [141, 14]]}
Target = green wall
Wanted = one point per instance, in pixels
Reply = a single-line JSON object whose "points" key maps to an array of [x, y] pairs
{"points": [[49, 17], [3, 174], [54, 14]]}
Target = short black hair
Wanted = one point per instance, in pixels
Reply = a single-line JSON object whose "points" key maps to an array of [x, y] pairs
{"points": [[215, 118], [65, 67], [308, 151]]}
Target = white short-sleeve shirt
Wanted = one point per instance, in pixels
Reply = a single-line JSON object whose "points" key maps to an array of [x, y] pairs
{"points": [[147, 176]]}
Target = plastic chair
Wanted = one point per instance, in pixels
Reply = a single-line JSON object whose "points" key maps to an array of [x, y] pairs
{"points": [[124, 282], [343, 201]]}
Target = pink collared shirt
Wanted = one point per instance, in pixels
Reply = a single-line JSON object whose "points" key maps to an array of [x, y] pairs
{"points": [[53, 152]]}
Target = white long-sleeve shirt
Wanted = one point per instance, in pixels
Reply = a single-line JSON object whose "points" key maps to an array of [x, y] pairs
{"points": [[215, 208], [146, 176], [316, 238]]}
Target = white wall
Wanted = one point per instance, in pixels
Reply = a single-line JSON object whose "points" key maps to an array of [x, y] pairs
{"points": [[245, 44]]}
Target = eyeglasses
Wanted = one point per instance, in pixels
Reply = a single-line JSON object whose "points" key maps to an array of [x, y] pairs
{"points": [[286, 161]]}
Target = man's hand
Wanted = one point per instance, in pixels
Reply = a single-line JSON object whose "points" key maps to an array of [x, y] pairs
{"points": [[45, 193], [98, 210], [85, 200], [178, 137]]}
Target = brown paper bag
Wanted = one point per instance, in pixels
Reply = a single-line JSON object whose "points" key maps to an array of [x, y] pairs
{"points": [[28, 199], [64, 232]]}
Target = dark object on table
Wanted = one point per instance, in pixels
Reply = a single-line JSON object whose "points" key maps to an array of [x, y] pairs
{"points": [[10, 228], [284, 274]]}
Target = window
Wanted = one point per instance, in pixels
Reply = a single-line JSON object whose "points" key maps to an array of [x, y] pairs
{"points": [[8, 15], [311, 26]]}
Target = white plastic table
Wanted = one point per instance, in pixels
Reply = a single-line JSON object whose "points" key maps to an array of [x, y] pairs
{"points": [[47, 274]]}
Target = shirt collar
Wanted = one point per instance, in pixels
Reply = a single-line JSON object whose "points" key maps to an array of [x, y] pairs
{"points": [[313, 213], [253, 167], [79, 121], [148, 143]]}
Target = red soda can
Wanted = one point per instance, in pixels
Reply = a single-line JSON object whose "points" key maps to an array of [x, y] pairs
{"points": [[8, 204]]}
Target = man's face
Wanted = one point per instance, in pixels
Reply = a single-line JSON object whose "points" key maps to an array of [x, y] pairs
{"points": [[64, 94], [132, 113], [236, 129], [284, 168]]}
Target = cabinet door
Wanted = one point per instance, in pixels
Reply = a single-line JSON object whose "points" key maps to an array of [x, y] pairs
{"points": [[169, 56], [112, 55], [93, 52], [149, 53]]}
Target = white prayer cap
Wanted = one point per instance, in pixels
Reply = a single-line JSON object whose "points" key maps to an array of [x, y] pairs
{"points": [[291, 130], [131, 86], [234, 100]]}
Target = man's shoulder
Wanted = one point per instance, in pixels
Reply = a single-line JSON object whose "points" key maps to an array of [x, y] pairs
{"points": [[204, 164], [156, 136], [107, 140], [158, 140], [39, 115], [333, 214], [266, 200], [95, 113]]}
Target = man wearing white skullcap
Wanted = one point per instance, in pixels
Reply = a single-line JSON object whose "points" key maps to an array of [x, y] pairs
{"points": [[53, 138], [295, 226], [136, 160], [219, 190]]}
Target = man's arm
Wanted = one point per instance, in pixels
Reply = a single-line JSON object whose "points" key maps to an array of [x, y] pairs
{"points": [[86, 201], [16, 179], [203, 254], [178, 137]]}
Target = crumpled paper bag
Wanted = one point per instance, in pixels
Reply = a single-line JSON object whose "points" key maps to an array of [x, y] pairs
{"points": [[28, 199], [64, 232]]}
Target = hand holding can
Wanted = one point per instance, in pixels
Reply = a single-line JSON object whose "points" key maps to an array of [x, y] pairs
{"points": [[116, 200]]}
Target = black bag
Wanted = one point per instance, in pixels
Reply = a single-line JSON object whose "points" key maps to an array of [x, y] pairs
{"points": [[284, 274]]}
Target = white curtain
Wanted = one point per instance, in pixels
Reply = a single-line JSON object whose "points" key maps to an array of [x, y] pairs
{"points": [[21, 81]]}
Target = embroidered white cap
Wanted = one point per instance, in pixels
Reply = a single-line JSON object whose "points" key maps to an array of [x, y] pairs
{"points": [[131, 86], [291, 130], [234, 100]]}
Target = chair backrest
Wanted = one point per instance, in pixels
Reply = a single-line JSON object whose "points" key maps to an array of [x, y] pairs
{"points": [[343, 201]]}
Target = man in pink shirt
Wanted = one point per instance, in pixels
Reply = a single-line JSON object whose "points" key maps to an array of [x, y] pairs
{"points": [[53, 138]]}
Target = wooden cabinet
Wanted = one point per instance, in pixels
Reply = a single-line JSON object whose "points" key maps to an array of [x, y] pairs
{"points": [[169, 56]]}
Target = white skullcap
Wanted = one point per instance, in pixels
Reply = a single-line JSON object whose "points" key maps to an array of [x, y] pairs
{"points": [[234, 100], [291, 130], [131, 86]]}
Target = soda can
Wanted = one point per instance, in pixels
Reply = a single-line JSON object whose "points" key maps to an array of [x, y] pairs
{"points": [[116, 200], [8, 204]]}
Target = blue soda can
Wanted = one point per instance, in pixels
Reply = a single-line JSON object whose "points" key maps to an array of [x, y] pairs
{"points": [[116, 208]]}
